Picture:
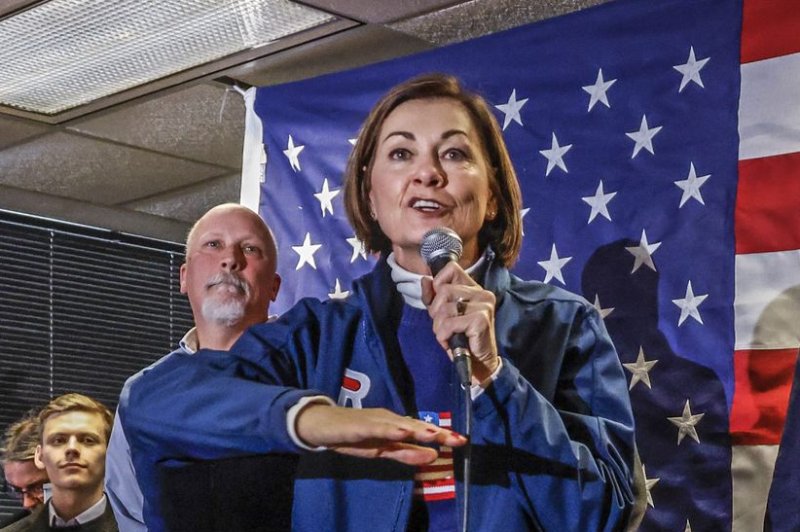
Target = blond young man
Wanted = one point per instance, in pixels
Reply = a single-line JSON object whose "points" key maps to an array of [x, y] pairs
{"points": [[73, 437]]}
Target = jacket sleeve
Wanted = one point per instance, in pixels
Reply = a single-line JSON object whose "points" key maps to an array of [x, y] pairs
{"points": [[568, 439], [121, 486], [205, 406], [209, 405]]}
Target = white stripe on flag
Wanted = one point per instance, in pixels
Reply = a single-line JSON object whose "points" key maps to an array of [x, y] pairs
{"points": [[429, 490], [767, 300], [433, 475], [769, 109]]}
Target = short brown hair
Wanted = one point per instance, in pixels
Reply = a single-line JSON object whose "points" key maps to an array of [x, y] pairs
{"points": [[20, 440], [503, 233], [75, 402]]}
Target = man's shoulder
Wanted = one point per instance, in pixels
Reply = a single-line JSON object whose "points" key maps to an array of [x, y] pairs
{"points": [[105, 523], [35, 522], [164, 361], [148, 374]]}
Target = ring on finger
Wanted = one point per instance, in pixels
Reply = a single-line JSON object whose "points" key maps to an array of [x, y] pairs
{"points": [[461, 306]]}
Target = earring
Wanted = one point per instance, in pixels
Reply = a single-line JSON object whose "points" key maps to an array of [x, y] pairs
{"points": [[490, 215], [373, 215]]}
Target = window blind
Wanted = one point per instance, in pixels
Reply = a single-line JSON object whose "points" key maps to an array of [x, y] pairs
{"points": [[81, 310]]}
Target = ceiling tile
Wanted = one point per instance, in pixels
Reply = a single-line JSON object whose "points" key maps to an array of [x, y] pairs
{"points": [[190, 203], [204, 123], [482, 17], [103, 173], [349, 49], [14, 130]]}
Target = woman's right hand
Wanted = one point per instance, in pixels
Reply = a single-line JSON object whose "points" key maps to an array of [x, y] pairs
{"points": [[372, 433]]}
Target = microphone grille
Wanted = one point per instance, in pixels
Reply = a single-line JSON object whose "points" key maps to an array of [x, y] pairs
{"points": [[440, 241]]}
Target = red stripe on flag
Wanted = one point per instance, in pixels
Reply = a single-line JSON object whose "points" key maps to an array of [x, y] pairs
{"points": [[436, 468], [761, 397], [767, 213], [770, 28]]}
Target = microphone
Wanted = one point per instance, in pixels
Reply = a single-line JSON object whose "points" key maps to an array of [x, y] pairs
{"points": [[440, 246]]}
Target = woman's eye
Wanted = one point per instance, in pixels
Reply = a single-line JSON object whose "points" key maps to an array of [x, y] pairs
{"points": [[400, 154], [454, 154]]}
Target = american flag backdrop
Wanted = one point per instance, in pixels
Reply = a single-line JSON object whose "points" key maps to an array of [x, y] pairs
{"points": [[657, 144]]}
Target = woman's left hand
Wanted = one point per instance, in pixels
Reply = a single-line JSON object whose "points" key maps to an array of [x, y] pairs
{"points": [[473, 316]]}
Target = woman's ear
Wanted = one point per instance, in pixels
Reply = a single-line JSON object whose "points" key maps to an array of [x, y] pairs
{"points": [[491, 209]]}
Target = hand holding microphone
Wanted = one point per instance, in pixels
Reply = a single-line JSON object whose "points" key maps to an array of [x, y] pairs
{"points": [[462, 311]]}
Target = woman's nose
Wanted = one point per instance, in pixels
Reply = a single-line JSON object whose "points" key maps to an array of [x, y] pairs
{"points": [[430, 172]]}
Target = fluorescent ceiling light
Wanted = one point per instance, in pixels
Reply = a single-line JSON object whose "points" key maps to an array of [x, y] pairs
{"points": [[64, 53]]}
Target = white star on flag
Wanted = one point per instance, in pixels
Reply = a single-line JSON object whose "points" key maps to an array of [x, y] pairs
{"points": [[338, 293], [640, 370], [648, 485], [511, 109], [691, 186], [688, 527], [553, 266], [599, 203], [522, 213], [292, 152], [689, 304], [602, 311], [686, 423], [598, 91], [352, 141], [306, 252], [555, 155], [325, 198], [358, 248], [643, 253], [644, 137], [691, 70]]}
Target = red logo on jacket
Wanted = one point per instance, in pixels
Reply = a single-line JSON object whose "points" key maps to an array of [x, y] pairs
{"points": [[355, 386]]}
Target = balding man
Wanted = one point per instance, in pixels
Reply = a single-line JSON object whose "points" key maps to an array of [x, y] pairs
{"points": [[229, 277], [199, 429]]}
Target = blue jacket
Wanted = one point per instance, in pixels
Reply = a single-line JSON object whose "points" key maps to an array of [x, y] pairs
{"points": [[553, 441]]}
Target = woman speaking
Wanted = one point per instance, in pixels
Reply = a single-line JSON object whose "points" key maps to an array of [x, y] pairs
{"points": [[552, 439]]}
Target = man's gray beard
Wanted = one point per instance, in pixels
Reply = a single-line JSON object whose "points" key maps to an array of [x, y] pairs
{"points": [[223, 308], [228, 313]]}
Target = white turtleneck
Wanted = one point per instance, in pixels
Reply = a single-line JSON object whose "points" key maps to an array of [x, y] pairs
{"points": [[409, 284]]}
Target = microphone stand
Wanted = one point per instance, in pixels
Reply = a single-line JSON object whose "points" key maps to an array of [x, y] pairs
{"points": [[462, 359]]}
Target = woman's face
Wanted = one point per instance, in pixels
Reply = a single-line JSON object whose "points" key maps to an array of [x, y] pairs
{"points": [[430, 171]]}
